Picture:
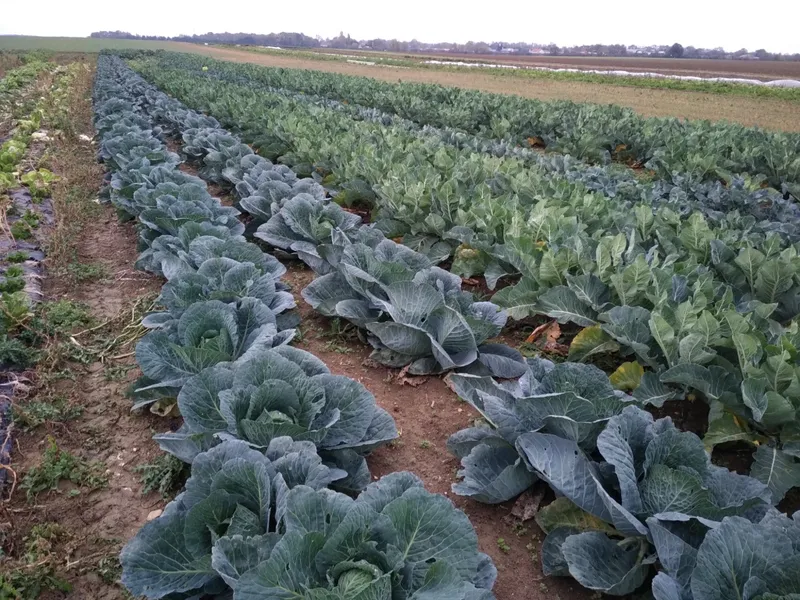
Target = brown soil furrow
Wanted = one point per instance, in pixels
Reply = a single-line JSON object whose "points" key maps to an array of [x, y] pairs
{"points": [[426, 415]]}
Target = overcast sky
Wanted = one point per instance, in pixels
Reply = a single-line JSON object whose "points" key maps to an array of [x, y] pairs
{"points": [[732, 24]]}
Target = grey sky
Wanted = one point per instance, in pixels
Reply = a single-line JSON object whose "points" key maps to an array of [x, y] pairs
{"points": [[731, 24]]}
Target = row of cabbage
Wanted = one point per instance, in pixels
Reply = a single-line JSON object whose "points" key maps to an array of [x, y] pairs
{"points": [[598, 133], [683, 192], [412, 312], [705, 306], [268, 430], [635, 492]]}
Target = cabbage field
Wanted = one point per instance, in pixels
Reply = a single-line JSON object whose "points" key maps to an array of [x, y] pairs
{"points": [[658, 257], [683, 273]]}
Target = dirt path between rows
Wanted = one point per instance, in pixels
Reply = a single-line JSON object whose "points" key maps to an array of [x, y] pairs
{"points": [[94, 525], [426, 415], [773, 114]]}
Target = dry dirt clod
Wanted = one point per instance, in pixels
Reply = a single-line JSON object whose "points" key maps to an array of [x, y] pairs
{"points": [[154, 514]]}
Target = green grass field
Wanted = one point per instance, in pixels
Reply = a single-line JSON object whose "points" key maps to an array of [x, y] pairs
{"points": [[70, 44]]}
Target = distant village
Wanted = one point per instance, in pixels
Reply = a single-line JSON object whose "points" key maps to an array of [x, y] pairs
{"points": [[346, 42]]}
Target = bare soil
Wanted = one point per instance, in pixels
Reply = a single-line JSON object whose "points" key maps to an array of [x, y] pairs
{"points": [[750, 69], [96, 524], [769, 113], [427, 412]]}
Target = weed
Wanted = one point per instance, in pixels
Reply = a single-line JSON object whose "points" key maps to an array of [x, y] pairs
{"points": [[80, 174], [505, 548], [33, 414], [65, 315], [341, 330], [165, 474], [97, 438], [531, 548], [117, 372], [37, 576], [333, 346], [80, 273], [425, 444], [39, 542], [109, 569], [57, 465], [30, 583], [533, 351]]}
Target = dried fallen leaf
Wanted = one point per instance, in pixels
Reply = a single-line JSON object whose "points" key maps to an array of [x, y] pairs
{"points": [[536, 333], [527, 505], [403, 379]]}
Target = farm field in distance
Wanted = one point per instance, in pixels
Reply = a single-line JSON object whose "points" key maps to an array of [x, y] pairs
{"points": [[750, 69], [279, 327], [776, 114], [81, 45]]}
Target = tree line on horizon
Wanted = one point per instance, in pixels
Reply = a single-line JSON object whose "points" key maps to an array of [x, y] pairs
{"points": [[345, 42]]}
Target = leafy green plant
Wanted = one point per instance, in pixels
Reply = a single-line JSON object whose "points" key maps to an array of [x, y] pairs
{"points": [[711, 570], [226, 280], [303, 223], [31, 218], [568, 399], [306, 550], [38, 182], [432, 325], [14, 271], [10, 285], [665, 481], [21, 230], [282, 392], [243, 488], [193, 204], [14, 351], [17, 256], [207, 333]]}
